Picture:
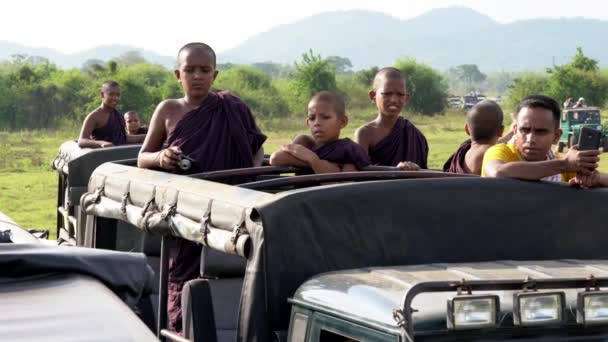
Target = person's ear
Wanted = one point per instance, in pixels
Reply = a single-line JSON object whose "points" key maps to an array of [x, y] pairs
{"points": [[343, 121], [215, 74], [407, 98], [558, 134], [177, 75], [307, 122], [501, 131], [466, 129], [372, 95]]}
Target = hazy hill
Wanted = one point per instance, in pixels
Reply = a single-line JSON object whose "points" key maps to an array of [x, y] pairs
{"points": [[104, 52], [442, 38]]}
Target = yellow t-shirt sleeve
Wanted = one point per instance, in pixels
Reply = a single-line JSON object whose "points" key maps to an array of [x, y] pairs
{"points": [[504, 152]]}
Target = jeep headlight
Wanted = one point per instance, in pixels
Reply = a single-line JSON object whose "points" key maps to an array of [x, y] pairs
{"points": [[592, 307], [473, 312], [536, 308]]}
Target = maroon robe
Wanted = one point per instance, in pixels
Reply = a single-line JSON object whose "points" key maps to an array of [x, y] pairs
{"points": [[343, 151], [114, 130], [221, 134], [404, 143], [456, 163]]}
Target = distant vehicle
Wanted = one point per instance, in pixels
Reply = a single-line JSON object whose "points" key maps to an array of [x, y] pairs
{"points": [[468, 101], [573, 119], [455, 102]]}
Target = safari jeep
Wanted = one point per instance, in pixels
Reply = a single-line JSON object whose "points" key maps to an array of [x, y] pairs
{"points": [[573, 119], [367, 256], [74, 166]]}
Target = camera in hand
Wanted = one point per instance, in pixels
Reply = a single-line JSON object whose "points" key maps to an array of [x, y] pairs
{"points": [[185, 162]]}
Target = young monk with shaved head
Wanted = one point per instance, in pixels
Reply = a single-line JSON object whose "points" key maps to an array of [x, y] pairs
{"points": [[390, 139], [323, 151], [215, 130], [105, 127], [484, 127]]}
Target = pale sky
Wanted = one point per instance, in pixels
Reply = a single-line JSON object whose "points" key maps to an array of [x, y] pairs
{"points": [[164, 26]]}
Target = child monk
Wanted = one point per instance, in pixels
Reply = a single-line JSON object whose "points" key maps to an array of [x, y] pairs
{"points": [[216, 130], [105, 127], [390, 139], [133, 123], [484, 127], [324, 151]]}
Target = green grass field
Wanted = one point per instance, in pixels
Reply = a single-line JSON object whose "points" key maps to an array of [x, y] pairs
{"points": [[28, 185]]}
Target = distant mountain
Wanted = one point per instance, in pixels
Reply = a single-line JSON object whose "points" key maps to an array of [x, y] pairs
{"points": [[105, 53], [441, 38]]}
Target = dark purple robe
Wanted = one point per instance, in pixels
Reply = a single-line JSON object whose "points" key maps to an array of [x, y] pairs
{"points": [[221, 134], [456, 163], [114, 131], [343, 151], [404, 143]]}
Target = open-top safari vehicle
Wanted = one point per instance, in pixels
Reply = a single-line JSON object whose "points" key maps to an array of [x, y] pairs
{"points": [[60, 293], [74, 166], [574, 119], [367, 256]]}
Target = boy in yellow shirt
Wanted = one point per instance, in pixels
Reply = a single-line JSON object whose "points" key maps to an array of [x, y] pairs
{"points": [[536, 130]]}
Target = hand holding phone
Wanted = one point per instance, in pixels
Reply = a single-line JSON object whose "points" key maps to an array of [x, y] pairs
{"points": [[589, 139]]}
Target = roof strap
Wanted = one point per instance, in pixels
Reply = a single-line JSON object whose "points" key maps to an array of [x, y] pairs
{"points": [[205, 220], [149, 203], [125, 200], [100, 190], [238, 230]]}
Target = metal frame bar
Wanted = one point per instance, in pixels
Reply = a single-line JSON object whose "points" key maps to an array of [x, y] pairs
{"points": [[163, 294], [493, 285], [358, 176]]}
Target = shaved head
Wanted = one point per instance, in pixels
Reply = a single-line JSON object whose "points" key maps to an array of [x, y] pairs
{"points": [[485, 121], [335, 100], [107, 85], [195, 47], [388, 73]]}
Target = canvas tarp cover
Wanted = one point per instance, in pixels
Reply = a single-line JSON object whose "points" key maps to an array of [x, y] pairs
{"points": [[127, 274], [298, 234], [409, 222], [79, 163]]}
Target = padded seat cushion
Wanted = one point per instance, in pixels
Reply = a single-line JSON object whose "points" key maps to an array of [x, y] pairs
{"points": [[210, 309]]}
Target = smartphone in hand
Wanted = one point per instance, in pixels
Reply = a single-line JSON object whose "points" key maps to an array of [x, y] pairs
{"points": [[589, 139]]}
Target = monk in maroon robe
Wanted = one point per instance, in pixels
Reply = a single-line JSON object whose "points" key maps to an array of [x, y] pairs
{"points": [[457, 162], [114, 130], [390, 139], [484, 127], [342, 152], [105, 127], [324, 151], [215, 130], [404, 143]]}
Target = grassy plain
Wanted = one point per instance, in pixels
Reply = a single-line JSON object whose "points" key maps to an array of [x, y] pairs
{"points": [[28, 185]]}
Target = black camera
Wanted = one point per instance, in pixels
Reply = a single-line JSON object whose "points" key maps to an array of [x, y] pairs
{"points": [[185, 162]]}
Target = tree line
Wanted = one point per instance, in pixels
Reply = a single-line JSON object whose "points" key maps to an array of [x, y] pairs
{"points": [[35, 93]]}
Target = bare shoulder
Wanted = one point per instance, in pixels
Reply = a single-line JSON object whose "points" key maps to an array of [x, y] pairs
{"points": [[168, 106], [366, 132]]}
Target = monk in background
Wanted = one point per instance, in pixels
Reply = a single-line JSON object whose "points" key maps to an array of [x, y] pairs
{"points": [[391, 139], [105, 127], [133, 123], [484, 127], [217, 131]]}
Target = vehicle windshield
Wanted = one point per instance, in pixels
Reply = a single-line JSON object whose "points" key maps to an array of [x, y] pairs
{"points": [[584, 117]]}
